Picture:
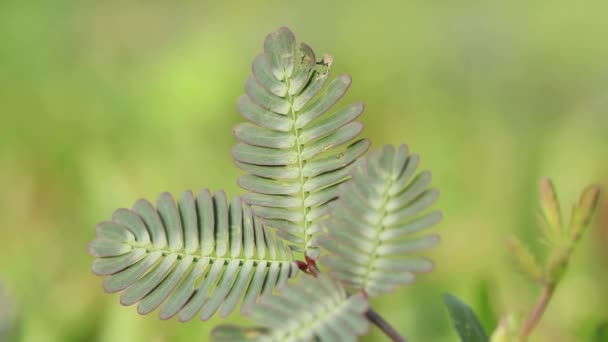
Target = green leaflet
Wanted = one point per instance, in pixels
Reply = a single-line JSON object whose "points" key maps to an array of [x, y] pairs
{"points": [[465, 321], [293, 145], [371, 234], [315, 309], [196, 255]]}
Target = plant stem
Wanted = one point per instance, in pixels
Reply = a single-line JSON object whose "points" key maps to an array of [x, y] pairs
{"points": [[383, 325], [536, 313]]}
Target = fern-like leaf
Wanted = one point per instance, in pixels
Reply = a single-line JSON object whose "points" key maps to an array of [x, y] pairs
{"points": [[197, 255], [316, 309], [289, 146], [370, 230]]}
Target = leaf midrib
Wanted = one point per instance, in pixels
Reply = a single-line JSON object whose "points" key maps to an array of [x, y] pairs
{"points": [[196, 257], [318, 318], [379, 227], [301, 163]]}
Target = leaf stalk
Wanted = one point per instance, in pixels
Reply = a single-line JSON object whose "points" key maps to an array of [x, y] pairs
{"points": [[536, 313]]}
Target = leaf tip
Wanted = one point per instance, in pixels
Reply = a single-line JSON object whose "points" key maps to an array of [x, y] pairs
{"points": [[550, 206]]}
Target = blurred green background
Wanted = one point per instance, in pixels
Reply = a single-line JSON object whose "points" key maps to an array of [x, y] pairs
{"points": [[104, 102]]}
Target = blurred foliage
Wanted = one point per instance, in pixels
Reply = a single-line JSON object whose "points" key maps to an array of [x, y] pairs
{"points": [[104, 102], [465, 320]]}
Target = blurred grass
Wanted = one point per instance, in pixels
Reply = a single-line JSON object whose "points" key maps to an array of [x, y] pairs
{"points": [[104, 102]]}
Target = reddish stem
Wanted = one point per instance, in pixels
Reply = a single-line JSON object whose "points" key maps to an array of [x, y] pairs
{"points": [[537, 313], [383, 325], [303, 266]]}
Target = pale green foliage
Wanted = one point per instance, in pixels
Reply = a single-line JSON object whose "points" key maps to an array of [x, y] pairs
{"points": [[525, 260], [551, 216], [560, 243], [313, 309], [582, 213], [561, 240], [201, 255], [290, 146], [372, 232], [195, 256]]}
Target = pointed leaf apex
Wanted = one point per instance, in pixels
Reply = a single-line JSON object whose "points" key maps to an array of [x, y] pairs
{"points": [[550, 209], [526, 261], [590, 198], [583, 211]]}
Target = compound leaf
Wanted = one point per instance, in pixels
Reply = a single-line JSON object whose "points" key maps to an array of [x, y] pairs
{"points": [[293, 145], [372, 231], [196, 255], [316, 309]]}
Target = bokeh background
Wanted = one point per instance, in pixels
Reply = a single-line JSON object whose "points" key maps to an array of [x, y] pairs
{"points": [[104, 102]]}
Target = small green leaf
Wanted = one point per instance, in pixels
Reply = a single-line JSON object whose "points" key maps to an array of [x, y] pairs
{"points": [[273, 201], [526, 261], [171, 220], [189, 219], [124, 279], [317, 81], [269, 186], [582, 213], [114, 231], [486, 304], [336, 161], [262, 73], [262, 117], [465, 322], [148, 282], [550, 210], [330, 123], [134, 223], [337, 138], [221, 223], [303, 74], [111, 265], [263, 98], [258, 136], [101, 247], [263, 156], [335, 90], [150, 218]]}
